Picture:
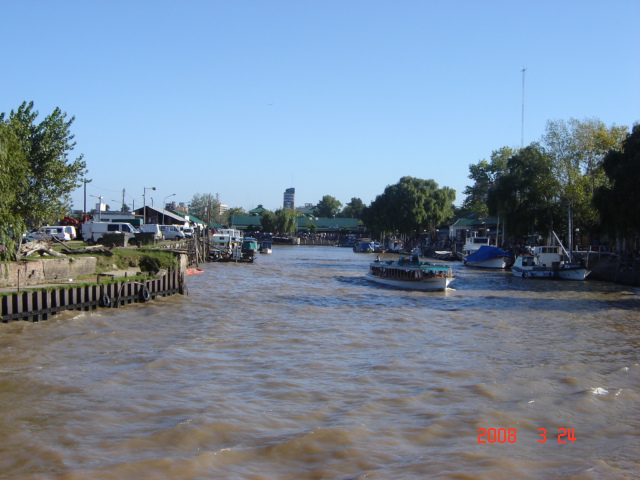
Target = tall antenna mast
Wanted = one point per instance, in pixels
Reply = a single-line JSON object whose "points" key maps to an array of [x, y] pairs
{"points": [[522, 132]]}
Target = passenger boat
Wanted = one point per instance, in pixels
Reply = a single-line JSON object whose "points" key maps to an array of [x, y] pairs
{"points": [[193, 271], [548, 262], [411, 274], [488, 256]]}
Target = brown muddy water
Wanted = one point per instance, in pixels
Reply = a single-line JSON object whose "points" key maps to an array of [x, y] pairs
{"points": [[297, 368]]}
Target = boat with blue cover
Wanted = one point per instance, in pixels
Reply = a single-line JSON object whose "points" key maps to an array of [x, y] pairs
{"points": [[488, 256]]}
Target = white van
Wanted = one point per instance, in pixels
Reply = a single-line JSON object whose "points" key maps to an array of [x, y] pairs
{"points": [[171, 232], [92, 232], [152, 228], [71, 230], [47, 233]]}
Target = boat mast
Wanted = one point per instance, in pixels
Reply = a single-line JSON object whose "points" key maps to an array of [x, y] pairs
{"points": [[522, 131], [570, 234]]}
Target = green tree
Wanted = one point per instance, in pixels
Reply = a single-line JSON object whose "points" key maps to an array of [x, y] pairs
{"points": [[410, 207], [353, 209], [525, 197], [327, 207], [268, 221], [51, 176], [311, 227], [578, 148], [285, 221], [619, 202], [13, 182], [484, 174], [206, 207]]}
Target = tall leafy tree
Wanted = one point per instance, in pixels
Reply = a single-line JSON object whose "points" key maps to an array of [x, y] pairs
{"points": [[205, 206], [619, 202], [285, 220], [578, 148], [51, 175], [526, 195], [353, 209], [410, 207], [484, 175], [268, 221], [328, 206], [13, 182]]}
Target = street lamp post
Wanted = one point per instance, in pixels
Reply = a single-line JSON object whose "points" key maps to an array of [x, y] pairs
{"points": [[164, 205], [144, 202], [85, 181], [99, 206]]}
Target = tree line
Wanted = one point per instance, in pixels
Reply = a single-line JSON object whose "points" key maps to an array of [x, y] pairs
{"points": [[580, 173], [582, 167]]}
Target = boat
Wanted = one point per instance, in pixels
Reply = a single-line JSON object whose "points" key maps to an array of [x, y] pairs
{"points": [[395, 246], [249, 249], [364, 246], [411, 274], [445, 255], [548, 262], [193, 271], [488, 256], [265, 246], [472, 245]]}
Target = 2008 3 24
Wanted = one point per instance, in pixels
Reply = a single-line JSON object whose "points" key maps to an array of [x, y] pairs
{"points": [[510, 435]]}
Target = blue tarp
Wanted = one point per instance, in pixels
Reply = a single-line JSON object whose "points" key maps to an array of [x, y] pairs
{"points": [[487, 252]]}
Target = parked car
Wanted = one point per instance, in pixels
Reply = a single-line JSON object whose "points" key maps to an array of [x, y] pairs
{"points": [[171, 232], [48, 232], [188, 232]]}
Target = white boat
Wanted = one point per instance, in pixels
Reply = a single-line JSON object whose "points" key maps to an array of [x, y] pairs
{"points": [[488, 256], [548, 262], [472, 245], [265, 247], [411, 274], [395, 246]]}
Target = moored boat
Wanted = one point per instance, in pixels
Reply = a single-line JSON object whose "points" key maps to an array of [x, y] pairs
{"points": [[249, 249], [364, 246], [411, 274], [488, 256], [265, 246], [548, 262]]}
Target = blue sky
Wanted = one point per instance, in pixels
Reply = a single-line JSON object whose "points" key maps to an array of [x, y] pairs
{"points": [[340, 98]]}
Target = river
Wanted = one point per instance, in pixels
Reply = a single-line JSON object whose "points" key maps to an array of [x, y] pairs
{"points": [[297, 368]]}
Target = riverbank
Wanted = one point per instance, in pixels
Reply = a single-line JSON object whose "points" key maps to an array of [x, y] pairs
{"points": [[36, 289]]}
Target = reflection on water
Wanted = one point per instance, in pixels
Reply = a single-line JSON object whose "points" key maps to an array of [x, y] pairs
{"points": [[297, 368]]}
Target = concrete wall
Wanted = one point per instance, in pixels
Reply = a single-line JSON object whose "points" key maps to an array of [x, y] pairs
{"points": [[35, 272]]}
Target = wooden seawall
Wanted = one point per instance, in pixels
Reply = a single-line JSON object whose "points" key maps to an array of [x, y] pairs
{"points": [[36, 305]]}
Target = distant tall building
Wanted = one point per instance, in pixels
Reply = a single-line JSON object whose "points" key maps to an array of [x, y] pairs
{"points": [[289, 198]]}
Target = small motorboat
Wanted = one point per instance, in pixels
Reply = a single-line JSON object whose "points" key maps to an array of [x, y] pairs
{"points": [[193, 271]]}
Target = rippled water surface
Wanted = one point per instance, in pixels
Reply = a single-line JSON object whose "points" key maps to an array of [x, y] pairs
{"points": [[296, 367]]}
